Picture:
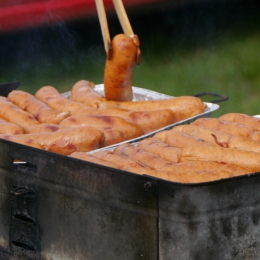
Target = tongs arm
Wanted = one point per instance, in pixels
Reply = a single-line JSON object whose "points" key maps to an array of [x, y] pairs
{"points": [[104, 27], [125, 24]]}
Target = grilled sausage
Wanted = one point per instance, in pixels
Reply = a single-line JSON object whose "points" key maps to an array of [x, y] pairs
{"points": [[36, 108], [234, 128], [221, 138], [52, 97], [130, 129], [16, 115], [147, 120], [84, 93], [119, 69], [180, 140], [244, 159], [71, 140], [149, 159], [10, 128], [160, 148], [244, 119]]}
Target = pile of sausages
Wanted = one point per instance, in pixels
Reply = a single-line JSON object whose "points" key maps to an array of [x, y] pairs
{"points": [[206, 150], [86, 120]]}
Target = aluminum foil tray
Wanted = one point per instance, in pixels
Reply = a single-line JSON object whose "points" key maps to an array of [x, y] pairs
{"points": [[140, 94]]}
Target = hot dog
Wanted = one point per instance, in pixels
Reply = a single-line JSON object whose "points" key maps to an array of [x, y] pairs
{"points": [[182, 107], [221, 138], [234, 128], [43, 128], [119, 68], [22, 139], [147, 120], [75, 139], [161, 149], [9, 128], [130, 129], [151, 160], [111, 135], [122, 161], [16, 115], [36, 108], [84, 93], [244, 119], [180, 140], [52, 97], [244, 159]]}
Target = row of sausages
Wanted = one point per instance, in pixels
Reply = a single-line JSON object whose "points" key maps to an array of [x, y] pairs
{"points": [[206, 150], [86, 120]]}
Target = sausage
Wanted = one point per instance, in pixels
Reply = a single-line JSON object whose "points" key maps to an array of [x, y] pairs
{"points": [[244, 119], [147, 120], [233, 128], [10, 128], [16, 115], [119, 68], [182, 107], [22, 139], [122, 161], [111, 135], [36, 108], [244, 159], [221, 138], [43, 128], [84, 93], [150, 121], [75, 139], [52, 97], [161, 149], [130, 129], [149, 159], [180, 140]]}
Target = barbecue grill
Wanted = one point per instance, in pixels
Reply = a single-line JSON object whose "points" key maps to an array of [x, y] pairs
{"points": [[56, 207]]}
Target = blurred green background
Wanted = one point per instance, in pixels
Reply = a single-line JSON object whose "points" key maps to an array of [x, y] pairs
{"points": [[186, 49]]}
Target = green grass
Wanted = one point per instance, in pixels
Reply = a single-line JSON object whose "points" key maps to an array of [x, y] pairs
{"points": [[185, 50]]}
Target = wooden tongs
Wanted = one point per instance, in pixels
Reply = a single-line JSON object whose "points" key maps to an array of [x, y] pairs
{"points": [[125, 24]]}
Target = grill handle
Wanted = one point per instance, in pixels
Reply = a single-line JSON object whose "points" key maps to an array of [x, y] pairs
{"points": [[221, 97]]}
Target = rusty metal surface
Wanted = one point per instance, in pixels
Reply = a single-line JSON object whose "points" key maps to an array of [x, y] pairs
{"points": [[210, 222]]}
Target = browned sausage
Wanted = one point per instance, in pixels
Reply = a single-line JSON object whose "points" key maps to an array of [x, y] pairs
{"points": [[16, 115], [52, 97], [36, 108], [10, 128], [119, 69], [244, 119], [130, 129]]}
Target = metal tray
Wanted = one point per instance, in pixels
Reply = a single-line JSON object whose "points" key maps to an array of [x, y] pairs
{"points": [[146, 94]]}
